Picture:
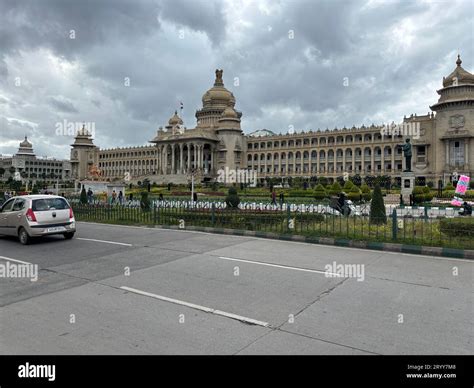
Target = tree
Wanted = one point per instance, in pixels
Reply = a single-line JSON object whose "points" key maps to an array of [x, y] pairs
{"points": [[354, 193], [366, 195], [335, 189], [232, 200], [2, 171], [370, 180], [348, 185], [356, 179], [377, 207], [144, 201], [323, 181], [83, 198], [320, 192]]}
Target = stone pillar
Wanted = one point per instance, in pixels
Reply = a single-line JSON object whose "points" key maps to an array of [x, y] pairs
{"points": [[447, 152], [164, 159], [279, 163], [172, 158], [382, 159], [362, 161], [343, 160], [393, 158], [466, 152], [353, 161], [181, 159], [195, 155], [372, 160]]}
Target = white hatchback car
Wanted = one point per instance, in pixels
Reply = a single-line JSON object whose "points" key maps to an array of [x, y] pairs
{"points": [[29, 216]]}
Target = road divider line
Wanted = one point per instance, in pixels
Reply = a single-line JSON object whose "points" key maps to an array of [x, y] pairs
{"points": [[18, 261], [329, 274], [197, 307], [104, 241]]}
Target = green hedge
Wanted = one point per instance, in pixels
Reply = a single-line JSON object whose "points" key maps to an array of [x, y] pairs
{"points": [[455, 227]]}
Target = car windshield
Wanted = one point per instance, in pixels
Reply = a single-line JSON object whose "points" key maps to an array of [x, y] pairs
{"points": [[49, 204]]}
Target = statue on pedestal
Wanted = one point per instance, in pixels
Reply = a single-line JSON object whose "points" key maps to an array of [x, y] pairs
{"points": [[406, 148]]}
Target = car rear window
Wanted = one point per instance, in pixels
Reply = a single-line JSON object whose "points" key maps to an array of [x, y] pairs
{"points": [[49, 204]]}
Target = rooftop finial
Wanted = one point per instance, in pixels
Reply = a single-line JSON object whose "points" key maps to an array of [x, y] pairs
{"points": [[219, 77], [458, 62]]}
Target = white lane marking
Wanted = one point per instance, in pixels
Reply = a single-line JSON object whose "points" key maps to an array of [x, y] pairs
{"points": [[284, 266], [197, 307], [322, 246], [104, 241], [18, 261]]}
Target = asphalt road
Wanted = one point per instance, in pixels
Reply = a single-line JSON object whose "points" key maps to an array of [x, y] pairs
{"points": [[128, 290]]}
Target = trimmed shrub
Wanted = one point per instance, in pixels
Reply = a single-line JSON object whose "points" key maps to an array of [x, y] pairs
{"points": [[232, 200], [454, 227], [144, 201], [422, 194], [449, 187], [320, 192], [299, 193], [377, 207], [348, 185], [83, 197], [366, 194], [335, 189], [354, 194]]}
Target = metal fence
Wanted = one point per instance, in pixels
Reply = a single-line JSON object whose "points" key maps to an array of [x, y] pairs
{"points": [[408, 229]]}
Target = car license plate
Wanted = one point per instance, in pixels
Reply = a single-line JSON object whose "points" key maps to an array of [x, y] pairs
{"points": [[56, 229]]}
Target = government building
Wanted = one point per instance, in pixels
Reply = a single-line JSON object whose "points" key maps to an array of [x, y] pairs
{"points": [[440, 145], [26, 165]]}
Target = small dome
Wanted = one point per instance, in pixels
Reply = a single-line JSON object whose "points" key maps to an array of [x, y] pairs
{"points": [[462, 76], [229, 113], [26, 144], [175, 119], [262, 133]]}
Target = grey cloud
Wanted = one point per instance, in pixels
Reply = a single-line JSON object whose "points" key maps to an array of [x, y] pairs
{"points": [[62, 104], [282, 81]]}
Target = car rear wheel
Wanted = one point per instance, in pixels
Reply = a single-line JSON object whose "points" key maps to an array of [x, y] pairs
{"points": [[23, 236], [68, 235]]}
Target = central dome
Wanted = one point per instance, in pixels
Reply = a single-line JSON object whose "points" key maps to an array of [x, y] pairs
{"points": [[218, 95]]}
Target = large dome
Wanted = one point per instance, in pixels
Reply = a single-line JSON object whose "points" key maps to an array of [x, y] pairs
{"points": [[218, 95]]}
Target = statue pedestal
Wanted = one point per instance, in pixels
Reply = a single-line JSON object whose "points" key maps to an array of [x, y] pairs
{"points": [[408, 184]]}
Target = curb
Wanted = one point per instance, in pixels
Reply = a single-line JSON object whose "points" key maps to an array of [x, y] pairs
{"points": [[372, 245]]}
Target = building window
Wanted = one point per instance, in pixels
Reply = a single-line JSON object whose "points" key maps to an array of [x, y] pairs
{"points": [[421, 154], [456, 153]]}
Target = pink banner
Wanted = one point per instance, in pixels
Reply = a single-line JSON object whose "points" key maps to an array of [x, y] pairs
{"points": [[463, 185]]}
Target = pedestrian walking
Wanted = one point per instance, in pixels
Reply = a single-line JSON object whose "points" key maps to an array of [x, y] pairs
{"points": [[274, 202]]}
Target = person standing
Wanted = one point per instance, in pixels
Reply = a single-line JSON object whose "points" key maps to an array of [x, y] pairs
{"points": [[114, 197], [89, 196], [274, 202], [120, 197]]}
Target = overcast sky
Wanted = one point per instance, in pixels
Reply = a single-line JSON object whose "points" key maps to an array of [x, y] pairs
{"points": [[125, 65]]}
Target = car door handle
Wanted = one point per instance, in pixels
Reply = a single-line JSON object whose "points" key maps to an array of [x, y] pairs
{"points": [[19, 215]]}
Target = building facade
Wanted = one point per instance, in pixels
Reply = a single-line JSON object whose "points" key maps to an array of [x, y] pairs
{"points": [[441, 144], [26, 165]]}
